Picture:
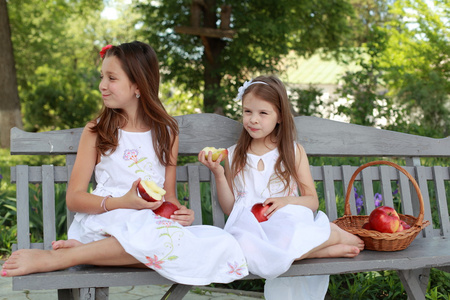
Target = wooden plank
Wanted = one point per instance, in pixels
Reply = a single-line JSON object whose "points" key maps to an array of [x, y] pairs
{"points": [[329, 192], [441, 200], [386, 187], [207, 32], [347, 172], [23, 207], [196, 130], [46, 143], [405, 192], [322, 137], [48, 205], [195, 201], [423, 185], [217, 213], [367, 185], [422, 253]]}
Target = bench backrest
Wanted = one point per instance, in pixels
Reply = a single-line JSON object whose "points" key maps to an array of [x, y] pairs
{"points": [[320, 137]]}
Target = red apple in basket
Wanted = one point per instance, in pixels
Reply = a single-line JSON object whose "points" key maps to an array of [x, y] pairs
{"points": [[403, 226], [166, 209], [150, 191], [367, 226], [384, 219], [215, 152], [258, 210]]}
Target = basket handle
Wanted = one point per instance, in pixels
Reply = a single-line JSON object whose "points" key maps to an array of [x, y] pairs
{"points": [[383, 162]]}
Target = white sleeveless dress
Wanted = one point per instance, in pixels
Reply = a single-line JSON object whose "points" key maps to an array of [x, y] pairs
{"points": [[194, 255], [271, 247]]}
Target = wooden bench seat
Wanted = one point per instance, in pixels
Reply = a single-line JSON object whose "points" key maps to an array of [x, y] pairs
{"points": [[320, 137]]}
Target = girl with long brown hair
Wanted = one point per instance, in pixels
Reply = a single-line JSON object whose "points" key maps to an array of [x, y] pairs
{"points": [[132, 139], [268, 166]]}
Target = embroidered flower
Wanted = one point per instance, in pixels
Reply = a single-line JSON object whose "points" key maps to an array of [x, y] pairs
{"points": [[165, 222], [131, 155], [154, 262], [234, 268], [104, 49]]}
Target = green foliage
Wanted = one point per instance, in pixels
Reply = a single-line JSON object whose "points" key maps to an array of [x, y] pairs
{"points": [[417, 65], [303, 26], [307, 102]]}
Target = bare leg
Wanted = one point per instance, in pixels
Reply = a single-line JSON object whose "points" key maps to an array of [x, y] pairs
{"points": [[106, 252], [340, 244], [66, 244]]}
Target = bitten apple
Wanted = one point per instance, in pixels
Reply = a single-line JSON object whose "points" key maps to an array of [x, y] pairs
{"points": [[258, 210], [166, 209], [150, 191], [215, 152], [384, 219]]}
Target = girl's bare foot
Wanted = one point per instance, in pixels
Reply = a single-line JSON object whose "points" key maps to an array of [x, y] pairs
{"points": [[347, 238], [66, 244], [339, 250], [27, 261]]}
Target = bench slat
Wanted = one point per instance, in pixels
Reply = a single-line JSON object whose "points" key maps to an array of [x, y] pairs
{"points": [[423, 184], [386, 187], [441, 201], [367, 185], [48, 205], [347, 172], [406, 194], [195, 202], [329, 192], [23, 207]]}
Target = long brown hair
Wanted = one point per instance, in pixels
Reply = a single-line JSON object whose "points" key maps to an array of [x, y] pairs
{"points": [[140, 63], [285, 132]]}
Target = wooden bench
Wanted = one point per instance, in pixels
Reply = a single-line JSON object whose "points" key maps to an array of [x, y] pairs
{"points": [[320, 137]]}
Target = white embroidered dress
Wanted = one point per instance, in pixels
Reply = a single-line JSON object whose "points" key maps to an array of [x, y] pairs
{"points": [[195, 255], [270, 247]]}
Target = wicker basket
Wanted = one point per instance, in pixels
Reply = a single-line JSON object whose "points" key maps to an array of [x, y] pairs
{"points": [[373, 239]]}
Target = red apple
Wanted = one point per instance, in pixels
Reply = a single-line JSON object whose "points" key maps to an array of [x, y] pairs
{"points": [[150, 191], [367, 226], [166, 209], [403, 226], [384, 219], [258, 210], [215, 152]]}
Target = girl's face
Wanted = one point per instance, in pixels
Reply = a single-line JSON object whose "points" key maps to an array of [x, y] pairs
{"points": [[260, 116], [117, 90]]}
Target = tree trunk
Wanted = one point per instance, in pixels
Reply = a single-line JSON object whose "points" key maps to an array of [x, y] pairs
{"points": [[213, 48], [10, 115]]}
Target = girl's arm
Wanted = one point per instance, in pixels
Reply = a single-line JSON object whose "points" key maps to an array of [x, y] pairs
{"points": [[79, 200], [223, 180], [308, 192]]}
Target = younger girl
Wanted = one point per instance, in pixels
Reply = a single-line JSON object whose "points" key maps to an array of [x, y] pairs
{"points": [[268, 166], [133, 138]]}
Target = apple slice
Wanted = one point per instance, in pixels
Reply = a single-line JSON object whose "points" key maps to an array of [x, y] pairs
{"points": [[215, 152], [150, 191], [258, 210], [166, 210]]}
